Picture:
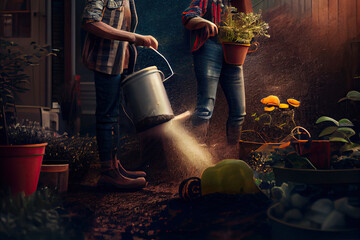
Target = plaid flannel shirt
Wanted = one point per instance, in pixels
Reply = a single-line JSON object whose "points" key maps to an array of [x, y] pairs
{"points": [[198, 8], [104, 55]]}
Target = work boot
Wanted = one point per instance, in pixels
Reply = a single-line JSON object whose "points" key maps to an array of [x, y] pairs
{"points": [[111, 177], [126, 173]]}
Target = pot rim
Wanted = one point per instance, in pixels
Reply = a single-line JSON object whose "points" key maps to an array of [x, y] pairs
{"points": [[25, 145], [149, 70], [237, 44]]}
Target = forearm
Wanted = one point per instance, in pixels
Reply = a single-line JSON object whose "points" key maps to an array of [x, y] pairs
{"points": [[103, 30], [196, 23]]}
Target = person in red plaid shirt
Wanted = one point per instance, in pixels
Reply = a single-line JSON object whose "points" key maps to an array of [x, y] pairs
{"points": [[202, 18]]}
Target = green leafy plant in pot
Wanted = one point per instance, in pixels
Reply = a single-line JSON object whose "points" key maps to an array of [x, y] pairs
{"points": [[237, 31], [22, 147], [345, 152]]}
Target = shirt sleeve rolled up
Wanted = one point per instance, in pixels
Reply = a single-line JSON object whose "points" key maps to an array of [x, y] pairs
{"points": [[194, 10], [93, 11]]}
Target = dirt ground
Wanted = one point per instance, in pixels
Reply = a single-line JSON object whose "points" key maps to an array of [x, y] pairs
{"points": [[157, 212]]}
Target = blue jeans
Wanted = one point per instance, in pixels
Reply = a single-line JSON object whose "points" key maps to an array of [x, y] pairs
{"points": [[210, 68], [108, 113]]}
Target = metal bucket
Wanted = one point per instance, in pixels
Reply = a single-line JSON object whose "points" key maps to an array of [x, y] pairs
{"points": [[145, 96]]}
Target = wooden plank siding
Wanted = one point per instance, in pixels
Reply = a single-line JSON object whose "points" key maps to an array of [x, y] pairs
{"points": [[344, 14], [337, 20]]}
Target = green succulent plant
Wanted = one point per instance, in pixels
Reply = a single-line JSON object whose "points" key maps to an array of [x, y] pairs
{"points": [[242, 27]]}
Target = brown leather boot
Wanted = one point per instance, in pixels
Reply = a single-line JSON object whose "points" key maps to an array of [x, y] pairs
{"points": [[126, 173], [111, 177]]}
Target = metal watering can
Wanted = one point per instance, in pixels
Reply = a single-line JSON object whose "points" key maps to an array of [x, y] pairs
{"points": [[145, 95]]}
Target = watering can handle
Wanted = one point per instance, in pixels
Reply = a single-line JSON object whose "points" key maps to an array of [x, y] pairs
{"points": [[133, 56], [172, 72]]}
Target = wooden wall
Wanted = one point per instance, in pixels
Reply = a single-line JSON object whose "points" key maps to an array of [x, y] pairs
{"points": [[338, 19], [343, 13]]}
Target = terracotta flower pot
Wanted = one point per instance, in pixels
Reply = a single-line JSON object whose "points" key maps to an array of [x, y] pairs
{"points": [[55, 176], [235, 53], [20, 167]]}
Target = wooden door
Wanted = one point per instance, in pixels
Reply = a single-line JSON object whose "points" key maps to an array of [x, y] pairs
{"points": [[23, 22]]}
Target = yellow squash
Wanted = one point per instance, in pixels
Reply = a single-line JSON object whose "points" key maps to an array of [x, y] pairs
{"points": [[230, 176]]}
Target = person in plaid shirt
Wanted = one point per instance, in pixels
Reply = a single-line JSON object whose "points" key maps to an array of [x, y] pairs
{"points": [[110, 26], [202, 18]]}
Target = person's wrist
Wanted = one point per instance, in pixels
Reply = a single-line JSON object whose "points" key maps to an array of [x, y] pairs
{"points": [[132, 38]]}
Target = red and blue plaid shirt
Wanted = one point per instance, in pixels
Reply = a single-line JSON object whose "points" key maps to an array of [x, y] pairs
{"points": [[198, 8]]}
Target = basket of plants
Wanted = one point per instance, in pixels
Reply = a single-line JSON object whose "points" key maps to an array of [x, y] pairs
{"points": [[308, 211]]}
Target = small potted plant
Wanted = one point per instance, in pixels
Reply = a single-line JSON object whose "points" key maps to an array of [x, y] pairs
{"points": [[237, 31], [67, 158], [21, 152], [346, 153], [271, 127]]}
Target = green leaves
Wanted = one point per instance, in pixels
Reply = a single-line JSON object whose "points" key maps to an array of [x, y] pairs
{"points": [[328, 131], [341, 132], [344, 122], [349, 132], [352, 95], [329, 119], [21, 216], [14, 60], [242, 27]]}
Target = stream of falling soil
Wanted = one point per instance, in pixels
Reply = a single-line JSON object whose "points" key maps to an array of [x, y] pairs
{"points": [[184, 156]]}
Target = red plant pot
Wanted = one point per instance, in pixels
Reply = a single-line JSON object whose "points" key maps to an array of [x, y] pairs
{"points": [[317, 151], [235, 53], [20, 167]]}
